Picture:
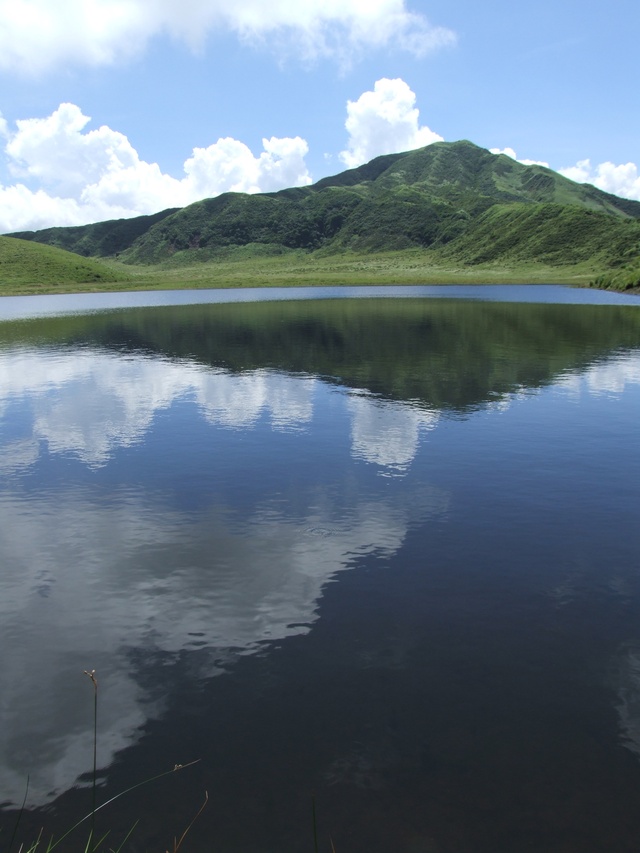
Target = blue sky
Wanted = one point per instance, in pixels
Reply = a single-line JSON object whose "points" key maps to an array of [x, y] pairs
{"points": [[119, 107]]}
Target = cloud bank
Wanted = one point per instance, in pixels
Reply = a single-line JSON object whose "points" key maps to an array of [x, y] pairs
{"points": [[85, 176], [38, 35]]}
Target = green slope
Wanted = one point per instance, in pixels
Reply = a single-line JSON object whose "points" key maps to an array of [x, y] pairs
{"points": [[466, 204], [426, 198], [463, 173], [34, 264], [551, 233], [101, 239]]}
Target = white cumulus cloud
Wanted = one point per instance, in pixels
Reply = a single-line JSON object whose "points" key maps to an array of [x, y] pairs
{"points": [[384, 121], [511, 153], [68, 175], [36, 35], [230, 164], [621, 180]]}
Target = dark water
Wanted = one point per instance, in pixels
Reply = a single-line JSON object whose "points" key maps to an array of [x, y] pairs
{"points": [[382, 554]]}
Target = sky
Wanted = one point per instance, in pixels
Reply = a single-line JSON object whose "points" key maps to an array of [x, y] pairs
{"points": [[116, 108]]}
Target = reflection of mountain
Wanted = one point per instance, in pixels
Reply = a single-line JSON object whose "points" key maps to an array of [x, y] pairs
{"points": [[452, 355]]}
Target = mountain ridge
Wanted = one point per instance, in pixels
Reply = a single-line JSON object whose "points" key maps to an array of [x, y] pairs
{"points": [[448, 198]]}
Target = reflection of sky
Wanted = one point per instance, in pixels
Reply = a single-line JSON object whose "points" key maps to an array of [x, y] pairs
{"points": [[89, 575], [91, 403]]}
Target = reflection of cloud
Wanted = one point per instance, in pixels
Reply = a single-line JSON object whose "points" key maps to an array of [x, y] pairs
{"points": [[501, 403], [237, 401], [86, 402], [290, 401], [608, 377], [86, 581], [90, 403], [387, 433], [18, 454]]}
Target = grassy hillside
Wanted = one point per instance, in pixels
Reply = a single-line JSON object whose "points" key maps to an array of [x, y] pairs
{"points": [[552, 233], [100, 240], [457, 205], [29, 267], [625, 278], [426, 198]]}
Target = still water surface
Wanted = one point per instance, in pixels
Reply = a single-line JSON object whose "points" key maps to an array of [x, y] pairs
{"points": [[382, 552]]}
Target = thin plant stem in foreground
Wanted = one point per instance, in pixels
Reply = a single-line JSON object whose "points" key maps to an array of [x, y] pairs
{"points": [[176, 844], [94, 681], [174, 769], [20, 813]]}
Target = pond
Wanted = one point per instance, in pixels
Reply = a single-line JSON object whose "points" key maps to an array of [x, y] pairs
{"points": [[377, 557]]}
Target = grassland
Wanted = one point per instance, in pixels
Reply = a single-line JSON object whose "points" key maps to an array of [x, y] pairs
{"points": [[37, 268], [409, 267]]}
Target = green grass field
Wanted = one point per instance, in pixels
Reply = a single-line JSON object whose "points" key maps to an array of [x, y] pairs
{"points": [[31, 268], [36, 268]]}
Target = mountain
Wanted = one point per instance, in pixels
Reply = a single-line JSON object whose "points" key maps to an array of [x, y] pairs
{"points": [[457, 200]]}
